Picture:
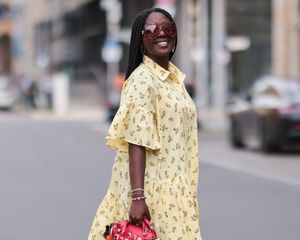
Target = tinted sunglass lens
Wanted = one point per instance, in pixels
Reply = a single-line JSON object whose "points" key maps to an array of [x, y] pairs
{"points": [[151, 31], [170, 29]]}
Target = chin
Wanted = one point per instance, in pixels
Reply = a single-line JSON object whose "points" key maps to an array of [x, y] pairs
{"points": [[162, 53]]}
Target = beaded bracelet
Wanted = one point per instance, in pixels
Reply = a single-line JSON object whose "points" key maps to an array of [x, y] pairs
{"points": [[138, 198]]}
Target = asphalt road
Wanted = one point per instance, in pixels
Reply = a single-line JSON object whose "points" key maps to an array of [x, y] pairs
{"points": [[53, 175]]}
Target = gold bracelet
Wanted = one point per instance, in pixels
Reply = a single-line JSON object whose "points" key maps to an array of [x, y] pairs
{"points": [[137, 189]]}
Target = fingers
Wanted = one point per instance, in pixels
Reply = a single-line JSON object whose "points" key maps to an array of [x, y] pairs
{"points": [[147, 214], [138, 211], [137, 220]]}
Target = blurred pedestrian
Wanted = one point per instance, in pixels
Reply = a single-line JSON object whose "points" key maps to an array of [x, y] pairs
{"points": [[154, 133], [29, 91]]}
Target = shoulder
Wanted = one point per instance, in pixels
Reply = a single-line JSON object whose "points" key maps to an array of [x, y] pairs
{"points": [[139, 87], [142, 77]]}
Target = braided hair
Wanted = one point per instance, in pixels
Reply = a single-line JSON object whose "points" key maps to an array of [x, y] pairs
{"points": [[135, 54]]}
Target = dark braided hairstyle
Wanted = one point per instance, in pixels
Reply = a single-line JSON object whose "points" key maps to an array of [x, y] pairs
{"points": [[135, 54]]}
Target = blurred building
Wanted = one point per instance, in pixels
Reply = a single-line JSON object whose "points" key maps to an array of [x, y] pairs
{"points": [[286, 38], [241, 41], [58, 36], [248, 23], [224, 45], [67, 36], [5, 38]]}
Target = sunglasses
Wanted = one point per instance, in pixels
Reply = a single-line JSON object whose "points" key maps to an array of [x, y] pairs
{"points": [[152, 30]]}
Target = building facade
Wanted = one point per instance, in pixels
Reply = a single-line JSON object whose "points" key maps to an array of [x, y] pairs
{"points": [[224, 45], [69, 39], [286, 38], [5, 38], [241, 41]]}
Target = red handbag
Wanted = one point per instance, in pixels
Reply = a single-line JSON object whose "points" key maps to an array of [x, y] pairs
{"points": [[123, 230]]}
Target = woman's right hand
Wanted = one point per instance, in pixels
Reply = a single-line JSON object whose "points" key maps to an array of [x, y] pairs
{"points": [[138, 211]]}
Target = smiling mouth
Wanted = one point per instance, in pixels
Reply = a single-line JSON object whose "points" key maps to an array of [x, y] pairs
{"points": [[163, 44]]}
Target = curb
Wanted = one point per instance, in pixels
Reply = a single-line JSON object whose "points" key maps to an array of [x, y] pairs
{"points": [[72, 115]]}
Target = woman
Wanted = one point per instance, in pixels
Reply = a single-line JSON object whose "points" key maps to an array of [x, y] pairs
{"points": [[154, 133]]}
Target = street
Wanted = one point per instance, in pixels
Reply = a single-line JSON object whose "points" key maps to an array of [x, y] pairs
{"points": [[54, 174]]}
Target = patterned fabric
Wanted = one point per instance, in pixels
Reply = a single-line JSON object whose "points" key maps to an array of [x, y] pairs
{"points": [[157, 113]]}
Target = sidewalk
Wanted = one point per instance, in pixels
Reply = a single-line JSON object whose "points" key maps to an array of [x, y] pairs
{"points": [[215, 149], [71, 115]]}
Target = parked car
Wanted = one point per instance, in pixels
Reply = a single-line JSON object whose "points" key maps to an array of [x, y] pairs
{"points": [[268, 117], [6, 93]]}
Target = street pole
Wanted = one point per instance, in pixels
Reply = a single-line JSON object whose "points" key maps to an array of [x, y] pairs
{"points": [[220, 59], [111, 51]]}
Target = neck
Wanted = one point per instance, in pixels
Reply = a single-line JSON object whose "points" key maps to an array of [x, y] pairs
{"points": [[161, 61]]}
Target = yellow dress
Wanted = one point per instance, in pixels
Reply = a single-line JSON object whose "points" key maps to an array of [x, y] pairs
{"points": [[157, 113]]}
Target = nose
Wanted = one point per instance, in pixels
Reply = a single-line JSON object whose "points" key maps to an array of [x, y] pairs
{"points": [[161, 32]]}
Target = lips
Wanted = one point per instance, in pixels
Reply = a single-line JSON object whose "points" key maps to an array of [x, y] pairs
{"points": [[163, 44]]}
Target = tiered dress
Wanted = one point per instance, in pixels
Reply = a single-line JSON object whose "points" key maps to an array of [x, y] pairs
{"points": [[156, 112]]}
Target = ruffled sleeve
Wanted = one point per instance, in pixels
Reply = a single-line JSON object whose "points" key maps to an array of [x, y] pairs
{"points": [[136, 120]]}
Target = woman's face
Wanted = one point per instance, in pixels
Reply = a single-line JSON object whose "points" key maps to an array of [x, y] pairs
{"points": [[162, 44]]}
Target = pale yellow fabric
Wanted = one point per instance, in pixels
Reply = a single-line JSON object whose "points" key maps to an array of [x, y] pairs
{"points": [[156, 112]]}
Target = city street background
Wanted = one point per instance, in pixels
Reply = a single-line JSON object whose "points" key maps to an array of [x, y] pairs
{"points": [[54, 174], [62, 65]]}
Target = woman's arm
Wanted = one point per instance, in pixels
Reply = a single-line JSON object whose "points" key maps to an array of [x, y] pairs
{"points": [[137, 164]]}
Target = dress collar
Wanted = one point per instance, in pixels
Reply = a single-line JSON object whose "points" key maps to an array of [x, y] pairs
{"points": [[174, 73]]}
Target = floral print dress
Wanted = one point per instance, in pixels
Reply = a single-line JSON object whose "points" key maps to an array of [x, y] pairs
{"points": [[157, 113]]}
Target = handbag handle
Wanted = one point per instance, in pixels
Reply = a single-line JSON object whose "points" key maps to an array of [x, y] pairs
{"points": [[145, 224], [148, 223], [124, 226]]}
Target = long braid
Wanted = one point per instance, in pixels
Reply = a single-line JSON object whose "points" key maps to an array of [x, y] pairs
{"points": [[135, 53]]}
